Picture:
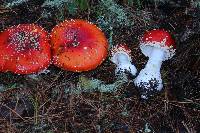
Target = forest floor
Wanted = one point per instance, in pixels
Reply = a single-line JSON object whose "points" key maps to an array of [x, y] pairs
{"points": [[44, 103]]}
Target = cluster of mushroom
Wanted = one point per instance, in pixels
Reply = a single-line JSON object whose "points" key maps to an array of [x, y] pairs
{"points": [[156, 44], [74, 45], [77, 45]]}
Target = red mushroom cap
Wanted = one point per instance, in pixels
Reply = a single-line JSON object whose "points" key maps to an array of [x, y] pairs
{"points": [[120, 49], [24, 49], [78, 45], [158, 38]]}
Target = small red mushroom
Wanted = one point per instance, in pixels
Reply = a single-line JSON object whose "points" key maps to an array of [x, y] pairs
{"points": [[159, 46], [24, 49], [121, 56], [78, 45]]}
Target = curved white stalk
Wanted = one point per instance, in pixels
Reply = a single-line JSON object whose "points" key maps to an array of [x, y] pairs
{"points": [[124, 64], [149, 78]]}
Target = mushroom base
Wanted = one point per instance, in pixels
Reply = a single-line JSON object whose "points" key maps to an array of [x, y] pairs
{"points": [[123, 62], [147, 93], [148, 83], [149, 78], [121, 68]]}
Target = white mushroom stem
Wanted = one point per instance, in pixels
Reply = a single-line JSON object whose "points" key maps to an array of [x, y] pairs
{"points": [[149, 77], [124, 64]]}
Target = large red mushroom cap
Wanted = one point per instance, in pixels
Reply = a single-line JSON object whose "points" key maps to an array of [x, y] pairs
{"points": [[24, 49], [158, 38], [78, 45]]}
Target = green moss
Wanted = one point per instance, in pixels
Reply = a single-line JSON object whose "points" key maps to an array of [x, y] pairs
{"points": [[98, 85], [56, 3], [12, 3], [92, 85], [71, 6], [196, 3], [110, 14]]}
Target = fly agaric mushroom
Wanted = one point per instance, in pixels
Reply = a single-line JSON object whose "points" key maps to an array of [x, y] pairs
{"points": [[121, 56], [24, 49], [78, 45], [159, 46]]}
